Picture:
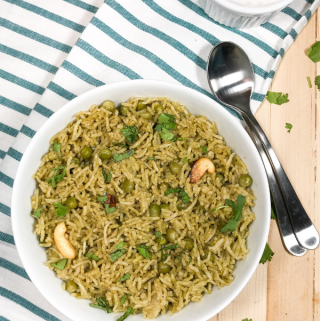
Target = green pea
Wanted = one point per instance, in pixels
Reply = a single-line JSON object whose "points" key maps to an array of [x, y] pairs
{"points": [[221, 225], [71, 286], [128, 186], [154, 210], [245, 180], [164, 267], [163, 240], [164, 186], [181, 206], [86, 152], [220, 177], [158, 108], [172, 235], [105, 154], [175, 168], [189, 243], [141, 106], [124, 110], [75, 161], [109, 105], [145, 115], [71, 202], [164, 206], [205, 255]]}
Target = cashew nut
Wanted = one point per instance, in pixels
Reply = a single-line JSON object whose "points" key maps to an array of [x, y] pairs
{"points": [[63, 245], [199, 168]]}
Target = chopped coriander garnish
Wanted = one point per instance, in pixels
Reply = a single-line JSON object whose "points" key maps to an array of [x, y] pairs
{"points": [[267, 254], [107, 177], [204, 149], [131, 133], [109, 209], [60, 265], [120, 157], [57, 148], [124, 298], [289, 127], [168, 247], [116, 254], [120, 144], [102, 198], [61, 210], [57, 178], [126, 314], [184, 196], [314, 52], [103, 304], [166, 121], [144, 251], [125, 277], [185, 160], [219, 208], [92, 256], [152, 158], [157, 234], [309, 82], [167, 135], [277, 98], [237, 209], [202, 208], [181, 138], [37, 212], [120, 245]]}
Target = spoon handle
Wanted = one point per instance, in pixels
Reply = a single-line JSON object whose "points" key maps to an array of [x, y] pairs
{"points": [[288, 238], [304, 230]]}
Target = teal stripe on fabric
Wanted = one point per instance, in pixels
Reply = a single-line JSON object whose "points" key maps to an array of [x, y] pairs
{"points": [[27, 304], [275, 29], [14, 154], [61, 91], [106, 60], [8, 130], [34, 35], [271, 74], [310, 1], [3, 318], [16, 269], [29, 59], [159, 34], [13, 105], [204, 34], [44, 111], [4, 237], [257, 97], [83, 5], [81, 74], [21, 82], [5, 209], [2, 154], [293, 34], [47, 14], [27, 131], [308, 14], [262, 45], [6, 179], [259, 71], [281, 52], [292, 13]]}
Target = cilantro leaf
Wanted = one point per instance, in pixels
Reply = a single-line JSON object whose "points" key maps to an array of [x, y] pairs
{"points": [[277, 98], [126, 314], [120, 245], [289, 127], [185, 160], [267, 254], [103, 304], [131, 133], [168, 247], [102, 198], [181, 138], [92, 256], [152, 158], [57, 178], [167, 135], [120, 157], [204, 149], [37, 212], [247, 319], [57, 148], [317, 82], [314, 52], [60, 265], [124, 298], [219, 208], [125, 277], [144, 251], [237, 210], [120, 144], [185, 197], [157, 234], [116, 254], [166, 121], [109, 210], [61, 210], [106, 177], [309, 82], [273, 215]]}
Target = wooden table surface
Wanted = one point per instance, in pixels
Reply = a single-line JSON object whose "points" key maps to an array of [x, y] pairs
{"points": [[288, 288]]}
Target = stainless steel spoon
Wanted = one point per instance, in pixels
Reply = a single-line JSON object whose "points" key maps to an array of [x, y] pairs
{"points": [[231, 78]]}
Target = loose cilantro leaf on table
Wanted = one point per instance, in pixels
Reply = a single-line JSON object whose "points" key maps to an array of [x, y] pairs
{"points": [[167, 135], [109, 209], [184, 196], [247, 319], [237, 210], [60, 265], [309, 82], [37, 212], [120, 245], [120, 157], [185, 160], [267, 254], [289, 127], [55, 177], [103, 304], [125, 277], [314, 52], [126, 314], [131, 133], [92, 256], [116, 254], [273, 212], [204, 149], [102, 198], [124, 298], [277, 98], [61, 210], [317, 82], [57, 148], [107, 177]]}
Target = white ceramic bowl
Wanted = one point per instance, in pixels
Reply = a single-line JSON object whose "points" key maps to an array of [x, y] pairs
{"points": [[238, 16], [229, 127]]}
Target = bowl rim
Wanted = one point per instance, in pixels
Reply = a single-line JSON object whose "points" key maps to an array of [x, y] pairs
{"points": [[237, 8], [57, 115]]}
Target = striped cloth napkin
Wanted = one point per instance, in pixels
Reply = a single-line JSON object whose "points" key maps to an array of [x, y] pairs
{"points": [[52, 51]]}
